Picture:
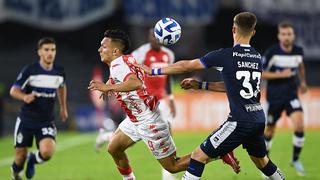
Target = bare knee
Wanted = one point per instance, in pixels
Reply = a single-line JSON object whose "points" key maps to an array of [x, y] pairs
{"points": [[46, 154]]}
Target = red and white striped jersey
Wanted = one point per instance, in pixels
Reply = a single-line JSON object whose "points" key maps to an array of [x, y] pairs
{"points": [[137, 104], [156, 85]]}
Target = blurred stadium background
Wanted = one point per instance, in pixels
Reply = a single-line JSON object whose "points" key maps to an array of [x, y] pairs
{"points": [[78, 26]]}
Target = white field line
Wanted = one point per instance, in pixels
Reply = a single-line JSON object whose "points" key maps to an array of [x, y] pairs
{"points": [[61, 146]]}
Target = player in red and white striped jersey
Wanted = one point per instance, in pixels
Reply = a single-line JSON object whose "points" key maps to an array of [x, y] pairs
{"points": [[144, 121]]}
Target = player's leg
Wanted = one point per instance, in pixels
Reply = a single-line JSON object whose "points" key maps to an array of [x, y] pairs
{"points": [[274, 113], [217, 144], [124, 137], [166, 115], [45, 139], [295, 112], [22, 140], [256, 148]]}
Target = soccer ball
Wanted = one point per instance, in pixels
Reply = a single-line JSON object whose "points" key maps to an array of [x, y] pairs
{"points": [[167, 31]]}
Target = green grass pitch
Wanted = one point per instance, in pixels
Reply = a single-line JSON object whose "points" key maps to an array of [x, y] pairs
{"points": [[75, 159]]}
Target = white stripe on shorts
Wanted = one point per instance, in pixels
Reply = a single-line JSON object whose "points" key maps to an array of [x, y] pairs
{"points": [[16, 130], [219, 136]]}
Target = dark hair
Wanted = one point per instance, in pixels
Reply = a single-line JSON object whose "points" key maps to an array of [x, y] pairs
{"points": [[246, 22], [45, 40], [285, 24], [119, 36]]}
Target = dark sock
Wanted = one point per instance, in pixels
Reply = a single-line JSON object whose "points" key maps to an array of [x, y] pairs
{"points": [[297, 146], [269, 169], [16, 168], [195, 168]]}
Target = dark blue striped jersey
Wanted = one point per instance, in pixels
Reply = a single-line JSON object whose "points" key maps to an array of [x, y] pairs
{"points": [[241, 68], [33, 78], [274, 60]]}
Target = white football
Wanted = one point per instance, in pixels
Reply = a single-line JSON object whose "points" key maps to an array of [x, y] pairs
{"points": [[167, 31]]}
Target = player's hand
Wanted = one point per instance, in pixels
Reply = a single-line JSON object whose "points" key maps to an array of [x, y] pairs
{"points": [[105, 95], [189, 83], [286, 73], [97, 85], [29, 98], [64, 114], [144, 68], [303, 88]]}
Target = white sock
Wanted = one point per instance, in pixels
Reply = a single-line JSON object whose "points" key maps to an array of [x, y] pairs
{"points": [[129, 177], [166, 175], [189, 176], [268, 145], [38, 158], [277, 175]]}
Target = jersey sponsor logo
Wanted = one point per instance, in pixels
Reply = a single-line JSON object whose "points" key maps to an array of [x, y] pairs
{"points": [[253, 107], [219, 136], [246, 55], [44, 95]]}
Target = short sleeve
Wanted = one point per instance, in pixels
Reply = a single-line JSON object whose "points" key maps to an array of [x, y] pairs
{"points": [[23, 78], [121, 72], [213, 59], [301, 53]]}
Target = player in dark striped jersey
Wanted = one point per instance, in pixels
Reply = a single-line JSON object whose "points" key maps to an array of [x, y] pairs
{"points": [[285, 74], [37, 85], [241, 69]]}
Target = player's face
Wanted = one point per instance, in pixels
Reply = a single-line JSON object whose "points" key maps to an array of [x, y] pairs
{"points": [[106, 50], [47, 53], [286, 36]]}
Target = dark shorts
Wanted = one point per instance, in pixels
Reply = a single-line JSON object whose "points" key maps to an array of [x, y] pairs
{"points": [[275, 109], [24, 133], [232, 134]]}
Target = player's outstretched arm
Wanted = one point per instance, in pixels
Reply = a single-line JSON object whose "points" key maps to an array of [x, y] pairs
{"points": [[276, 75], [190, 83], [132, 83], [179, 67], [62, 97]]}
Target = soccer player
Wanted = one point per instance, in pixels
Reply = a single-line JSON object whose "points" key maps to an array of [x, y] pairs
{"points": [[285, 73], [154, 55], [143, 121], [241, 69], [37, 85]]}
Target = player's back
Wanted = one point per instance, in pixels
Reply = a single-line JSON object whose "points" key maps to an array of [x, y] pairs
{"points": [[241, 69], [276, 59], [156, 85], [43, 83], [138, 104]]}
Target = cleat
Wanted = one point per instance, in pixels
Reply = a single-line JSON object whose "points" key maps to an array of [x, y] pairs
{"points": [[299, 168], [231, 160], [102, 138], [30, 170], [15, 176]]}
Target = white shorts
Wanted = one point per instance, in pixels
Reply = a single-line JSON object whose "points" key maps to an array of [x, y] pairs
{"points": [[154, 132], [165, 111]]}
